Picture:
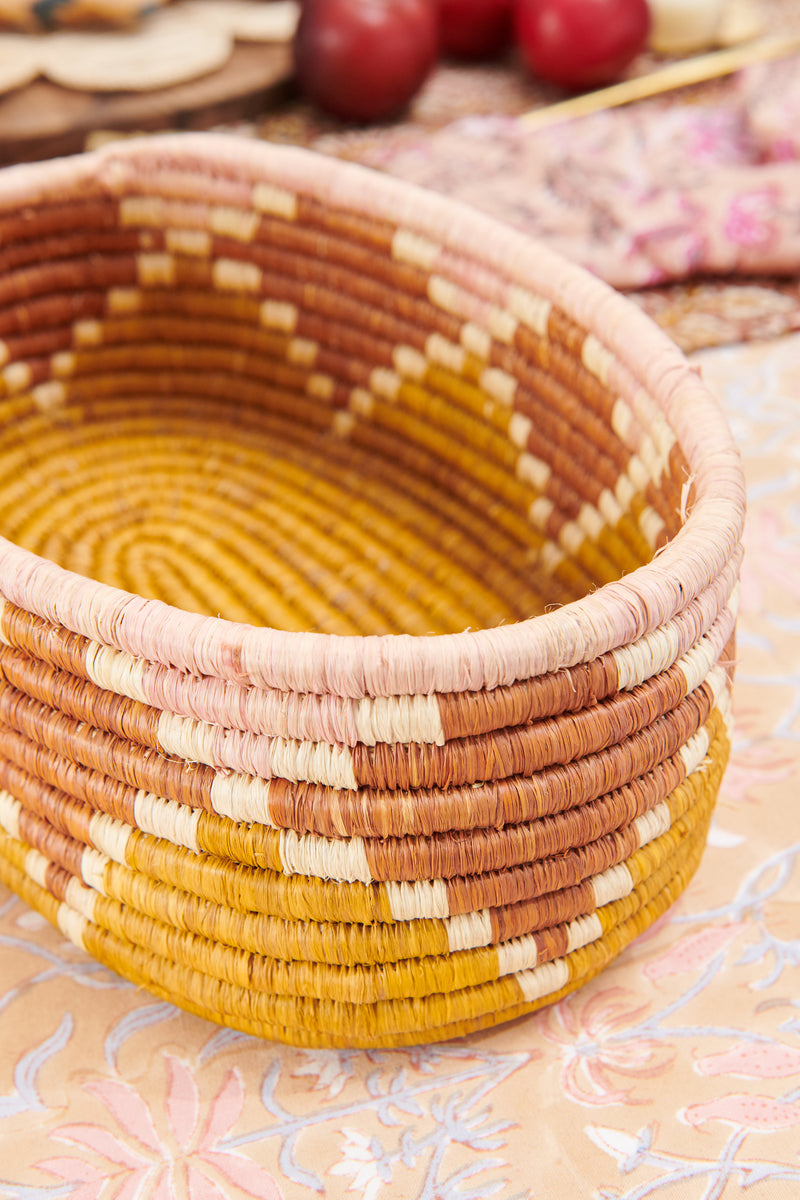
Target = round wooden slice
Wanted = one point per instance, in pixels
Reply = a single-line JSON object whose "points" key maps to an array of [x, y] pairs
{"points": [[167, 49], [247, 20], [20, 60], [44, 120]]}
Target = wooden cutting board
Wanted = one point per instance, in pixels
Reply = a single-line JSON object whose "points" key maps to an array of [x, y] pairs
{"points": [[43, 120]]}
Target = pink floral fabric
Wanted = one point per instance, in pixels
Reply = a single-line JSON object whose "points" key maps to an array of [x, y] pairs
{"points": [[674, 1075], [660, 191], [176, 1151]]}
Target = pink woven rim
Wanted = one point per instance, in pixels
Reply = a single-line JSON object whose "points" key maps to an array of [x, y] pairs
{"points": [[391, 665]]}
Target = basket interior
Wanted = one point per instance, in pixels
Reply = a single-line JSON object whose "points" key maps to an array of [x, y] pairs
{"points": [[287, 422]]}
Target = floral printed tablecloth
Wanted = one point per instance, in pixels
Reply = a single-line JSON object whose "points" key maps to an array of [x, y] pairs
{"points": [[675, 1074]]}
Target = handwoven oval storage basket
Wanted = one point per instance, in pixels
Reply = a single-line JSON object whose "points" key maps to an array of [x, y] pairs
{"points": [[363, 679]]}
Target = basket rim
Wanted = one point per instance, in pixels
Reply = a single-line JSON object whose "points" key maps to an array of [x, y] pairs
{"points": [[401, 664]]}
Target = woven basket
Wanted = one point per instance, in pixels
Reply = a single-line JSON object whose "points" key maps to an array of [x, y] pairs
{"points": [[363, 679]]}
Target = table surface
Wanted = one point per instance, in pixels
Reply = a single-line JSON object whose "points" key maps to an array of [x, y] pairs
{"points": [[675, 1073]]}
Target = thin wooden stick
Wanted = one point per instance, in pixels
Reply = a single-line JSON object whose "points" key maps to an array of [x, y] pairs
{"points": [[676, 75]]}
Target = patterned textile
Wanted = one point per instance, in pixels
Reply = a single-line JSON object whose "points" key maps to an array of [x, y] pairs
{"points": [[676, 1073], [715, 312], [702, 182], [656, 192]]}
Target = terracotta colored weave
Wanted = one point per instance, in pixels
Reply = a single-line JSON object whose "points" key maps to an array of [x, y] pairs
{"points": [[369, 591]]}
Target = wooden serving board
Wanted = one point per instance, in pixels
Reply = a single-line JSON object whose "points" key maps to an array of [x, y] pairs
{"points": [[43, 120]]}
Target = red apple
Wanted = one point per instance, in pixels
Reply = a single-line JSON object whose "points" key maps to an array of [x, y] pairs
{"points": [[474, 28], [580, 43], [364, 59]]}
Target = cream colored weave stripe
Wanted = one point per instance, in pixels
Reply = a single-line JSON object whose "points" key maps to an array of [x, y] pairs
{"points": [[10, 810], [544, 980], [72, 925], [401, 719], [176, 823], [93, 869], [122, 301], [418, 901], [110, 837], [82, 899], [36, 867], [447, 354], [17, 377], [652, 824], [530, 309], [233, 275], [191, 243], [583, 930], [413, 248], [241, 798], [52, 395], [314, 762], [468, 931], [155, 270], [116, 671], [275, 200], [324, 858], [612, 885], [279, 314], [695, 751]]}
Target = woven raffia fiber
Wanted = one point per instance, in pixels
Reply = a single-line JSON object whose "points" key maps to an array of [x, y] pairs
{"points": [[265, 417]]}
